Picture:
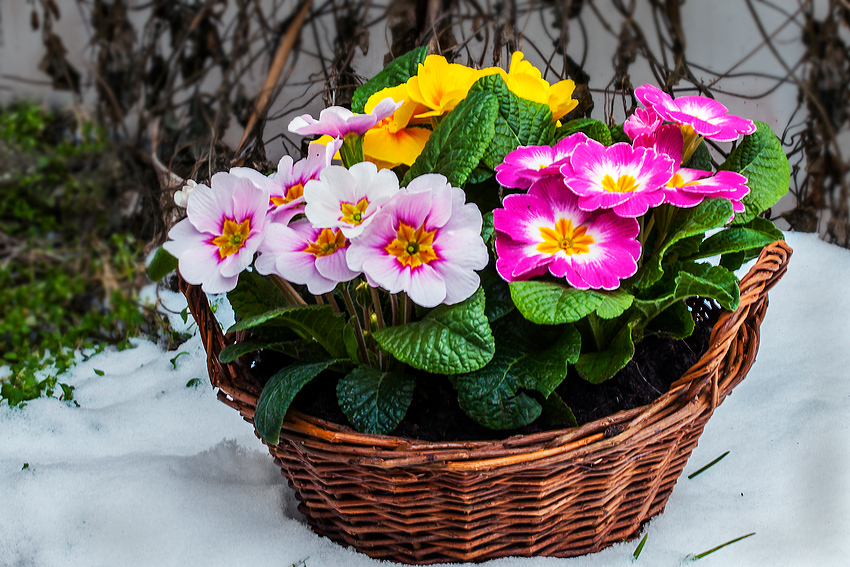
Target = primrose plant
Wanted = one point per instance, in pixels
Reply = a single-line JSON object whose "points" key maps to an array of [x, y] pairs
{"points": [[472, 230]]}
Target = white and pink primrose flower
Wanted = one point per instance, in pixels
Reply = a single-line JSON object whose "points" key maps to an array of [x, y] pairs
{"points": [[620, 177], [426, 241], [286, 185], [704, 115], [689, 187], [545, 230], [305, 255], [527, 164], [348, 198], [223, 229], [337, 122]]}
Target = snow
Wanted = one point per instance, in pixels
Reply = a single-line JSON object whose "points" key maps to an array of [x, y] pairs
{"points": [[150, 472]]}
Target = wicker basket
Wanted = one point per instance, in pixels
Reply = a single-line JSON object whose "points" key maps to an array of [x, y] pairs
{"points": [[560, 493]]}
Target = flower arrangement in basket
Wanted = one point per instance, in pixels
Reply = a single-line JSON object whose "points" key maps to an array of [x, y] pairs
{"points": [[472, 231]]}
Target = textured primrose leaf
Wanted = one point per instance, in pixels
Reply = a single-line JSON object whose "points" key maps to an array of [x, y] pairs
{"points": [[520, 122], [710, 214], [375, 401], [254, 295], [592, 128], [733, 239], [556, 413], [676, 321], [498, 295], [760, 158], [618, 134], [596, 367], [163, 263], [395, 73], [231, 352], [450, 339], [455, 148], [689, 280], [549, 303], [491, 395], [317, 322], [278, 394]]}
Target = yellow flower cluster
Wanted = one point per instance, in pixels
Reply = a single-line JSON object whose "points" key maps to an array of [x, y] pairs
{"points": [[435, 90]]}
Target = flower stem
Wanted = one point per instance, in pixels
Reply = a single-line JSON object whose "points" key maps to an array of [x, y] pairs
{"points": [[332, 302], [379, 311], [287, 290], [394, 308], [358, 330]]}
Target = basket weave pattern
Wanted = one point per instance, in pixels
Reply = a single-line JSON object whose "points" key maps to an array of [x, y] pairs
{"points": [[559, 493]]}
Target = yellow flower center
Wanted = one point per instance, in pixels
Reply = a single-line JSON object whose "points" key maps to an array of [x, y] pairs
{"points": [[625, 184], [294, 192], [233, 237], [413, 247], [564, 238], [678, 181], [329, 241], [353, 214]]}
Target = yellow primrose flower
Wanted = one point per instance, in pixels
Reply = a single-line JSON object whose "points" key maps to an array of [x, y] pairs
{"points": [[391, 142], [526, 81], [440, 85]]}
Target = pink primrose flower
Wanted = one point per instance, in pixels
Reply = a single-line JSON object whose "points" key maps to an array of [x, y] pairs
{"points": [[527, 164], [348, 198], [337, 122], [643, 122], [286, 185], [546, 230], [223, 229], [426, 242], [706, 116], [689, 187], [306, 255], [619, 177]]}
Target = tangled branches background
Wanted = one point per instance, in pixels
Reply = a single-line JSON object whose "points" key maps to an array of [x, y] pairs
{"points": [[190, 87]]}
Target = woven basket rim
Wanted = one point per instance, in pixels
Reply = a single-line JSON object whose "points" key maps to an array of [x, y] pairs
{"points": [[699, 386]]}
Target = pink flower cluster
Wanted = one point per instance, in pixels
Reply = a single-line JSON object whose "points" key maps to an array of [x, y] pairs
{"points": [[578, 220], [318, 224]]}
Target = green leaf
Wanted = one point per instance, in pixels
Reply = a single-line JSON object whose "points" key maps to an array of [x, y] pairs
{"points": [[520, 122], [278, 394], [253, 295], [457, 145], [689, 280], [556, 413], [614, 303], [549, 303], [760, 158], [162, 264], [451, 339], [374, 401], [596, 367], [733, 239], [349, 339], [592, 128], [395, 73], [709, 214], [701, 159], [491, 395], [299, 349], [618, 134], [498, 295], [676, 321], [317, 322]]}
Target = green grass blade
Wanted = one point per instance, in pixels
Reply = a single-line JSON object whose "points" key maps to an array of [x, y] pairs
{"points": [[636, 554], [708, 466], [712, 550]]}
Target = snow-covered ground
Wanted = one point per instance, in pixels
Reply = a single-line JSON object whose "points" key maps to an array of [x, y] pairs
{"points": [[150, 472]]}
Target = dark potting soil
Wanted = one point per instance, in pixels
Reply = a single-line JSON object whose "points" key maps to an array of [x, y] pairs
{"points": [[435, 415]]}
